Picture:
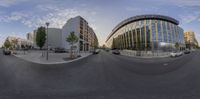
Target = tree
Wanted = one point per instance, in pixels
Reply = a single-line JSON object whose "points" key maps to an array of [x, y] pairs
{"points": [[7, 44], [177, 46], [41, 37], [96, 44], [72, 39], [23, 47], [14, 45]]}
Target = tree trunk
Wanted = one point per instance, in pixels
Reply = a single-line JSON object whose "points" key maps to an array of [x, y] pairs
{"points": [[71, 53]]}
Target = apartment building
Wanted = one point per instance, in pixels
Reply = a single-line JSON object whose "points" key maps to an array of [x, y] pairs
{"points": [[86, 35], [190, 39]]}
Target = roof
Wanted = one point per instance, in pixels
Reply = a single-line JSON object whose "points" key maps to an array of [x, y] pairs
{"points": [[143, 17]]}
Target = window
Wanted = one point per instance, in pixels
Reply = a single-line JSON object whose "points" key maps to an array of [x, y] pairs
{"points": [[164, 31], [159, 31], [169, 32]]}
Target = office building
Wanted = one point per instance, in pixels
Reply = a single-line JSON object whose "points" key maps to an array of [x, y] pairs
{"points": [[155, 33]]}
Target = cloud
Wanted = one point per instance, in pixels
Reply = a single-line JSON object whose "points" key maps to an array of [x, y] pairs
{"points": [[7, 3], [57, 16], [185, 2], [14, 16], [151, 9], [190, 17], [133, 9], [179, 3]]}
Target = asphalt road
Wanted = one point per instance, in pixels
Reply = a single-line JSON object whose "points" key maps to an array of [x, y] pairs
{"points": [[102, 76]]}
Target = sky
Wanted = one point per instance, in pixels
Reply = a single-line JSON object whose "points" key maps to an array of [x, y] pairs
{"points": [[18, 17]]}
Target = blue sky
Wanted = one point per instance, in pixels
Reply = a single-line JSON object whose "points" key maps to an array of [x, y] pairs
{"points": [[18, 17]]}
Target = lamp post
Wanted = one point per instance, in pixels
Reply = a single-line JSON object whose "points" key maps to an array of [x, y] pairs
{"points": [[47, 23]]}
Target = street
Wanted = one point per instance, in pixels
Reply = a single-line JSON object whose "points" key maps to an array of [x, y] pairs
{"points": [[102, 76]]}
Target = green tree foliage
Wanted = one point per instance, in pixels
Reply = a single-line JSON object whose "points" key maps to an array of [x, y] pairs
{"points": [[177, 46], [7, 44], [72, 39], [41, 37], [14, 43]]}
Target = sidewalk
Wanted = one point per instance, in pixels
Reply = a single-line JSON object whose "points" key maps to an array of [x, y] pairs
{"points": [[148, 54], [54, 58]]}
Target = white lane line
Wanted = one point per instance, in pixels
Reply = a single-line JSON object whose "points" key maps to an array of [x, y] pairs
{"points": [[165, 64]]}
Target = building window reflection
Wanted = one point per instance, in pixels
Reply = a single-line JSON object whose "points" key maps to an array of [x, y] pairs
{"points": [[148, 35]]}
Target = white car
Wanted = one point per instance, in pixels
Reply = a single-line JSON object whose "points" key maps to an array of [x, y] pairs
{"points": [[176, 54], [173, 54], [180, 53]]}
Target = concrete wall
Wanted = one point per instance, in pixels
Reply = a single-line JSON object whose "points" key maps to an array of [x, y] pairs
{"points": [[54, 38], [72, 25]]}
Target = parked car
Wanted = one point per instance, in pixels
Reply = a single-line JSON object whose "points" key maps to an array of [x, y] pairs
{"points": [[60, 50], [187, 52], [193, 50], [116, 52], [180, 53], [107, 50], [6, 52], [176, 54], [96, 51]]}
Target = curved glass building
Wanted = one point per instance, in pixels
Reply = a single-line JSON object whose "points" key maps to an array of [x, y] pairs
{"points": [[147, 33]]}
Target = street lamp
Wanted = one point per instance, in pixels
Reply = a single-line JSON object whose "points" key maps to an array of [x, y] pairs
{"points": [[47, 24]]}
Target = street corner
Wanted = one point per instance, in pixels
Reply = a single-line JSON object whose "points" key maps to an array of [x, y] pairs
{"points": [[53, 58]]}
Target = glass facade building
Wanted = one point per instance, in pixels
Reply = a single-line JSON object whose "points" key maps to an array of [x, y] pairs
{"points": [[147, 33]]}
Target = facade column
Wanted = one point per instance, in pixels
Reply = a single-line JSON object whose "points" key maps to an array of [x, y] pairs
{"points": [[151, 41], [161, 23], [156, 25], [145, 35], [132, 29], [140, 35]]}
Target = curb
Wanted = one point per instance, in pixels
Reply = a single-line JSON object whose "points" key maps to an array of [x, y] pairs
{"points": [[55, 63]]}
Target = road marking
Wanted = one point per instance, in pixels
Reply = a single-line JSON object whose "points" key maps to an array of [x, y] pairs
{"points": [[165, 64]]}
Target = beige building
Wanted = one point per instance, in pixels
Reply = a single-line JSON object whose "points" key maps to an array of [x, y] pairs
{"points": [[190, 39], [20, 42]]}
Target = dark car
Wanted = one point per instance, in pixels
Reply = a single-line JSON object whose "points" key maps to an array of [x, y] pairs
{"points": [[186, 51], [6, 52], [107, 50], [60, 50], [116, 52], [96, 51]]}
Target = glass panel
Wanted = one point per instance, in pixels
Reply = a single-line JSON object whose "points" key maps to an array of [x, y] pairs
{"points": [[159, 32], [164, 31], [169, 32], [148, 34], [142, 45]]}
